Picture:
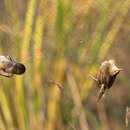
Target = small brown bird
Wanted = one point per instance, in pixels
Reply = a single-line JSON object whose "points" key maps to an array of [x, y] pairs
{"points": [[106, 76], [9, 67]]}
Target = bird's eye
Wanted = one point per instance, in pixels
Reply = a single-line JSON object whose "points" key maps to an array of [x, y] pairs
{"points": [[116, 72]]}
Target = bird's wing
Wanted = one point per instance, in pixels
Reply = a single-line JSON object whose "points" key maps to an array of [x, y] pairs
{"points": [[111, 80], [101, 76]]}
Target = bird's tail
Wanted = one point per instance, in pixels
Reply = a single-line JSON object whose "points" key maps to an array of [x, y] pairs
{"points": [[101, 92]]}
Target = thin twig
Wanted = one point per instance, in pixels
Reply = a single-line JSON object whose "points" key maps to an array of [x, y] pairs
{"points": [[95, 79], [57, 84], [127, 117]]}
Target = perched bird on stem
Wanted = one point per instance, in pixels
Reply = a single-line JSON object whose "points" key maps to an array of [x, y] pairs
{"points": [[9, 67], [106, 76]]}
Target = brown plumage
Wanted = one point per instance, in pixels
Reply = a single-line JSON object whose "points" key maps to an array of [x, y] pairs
{"points": [[106, 76], [9, 67]]}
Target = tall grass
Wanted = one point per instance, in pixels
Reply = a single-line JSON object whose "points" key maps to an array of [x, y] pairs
{"points": [[106, 44], [62, 41]]}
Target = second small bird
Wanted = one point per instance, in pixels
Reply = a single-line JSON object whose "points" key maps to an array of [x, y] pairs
{"points": [[106, 76]]}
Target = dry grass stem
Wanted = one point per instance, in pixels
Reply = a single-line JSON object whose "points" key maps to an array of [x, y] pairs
{"points": [[77, 102], [127, 117]]}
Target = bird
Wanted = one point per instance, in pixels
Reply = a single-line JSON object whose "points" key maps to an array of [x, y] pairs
{"points": [[106, 76], [9, 67]]}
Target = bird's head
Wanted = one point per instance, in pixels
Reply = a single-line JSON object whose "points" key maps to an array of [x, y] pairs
{"points": [[18, 68], [113, 69]]}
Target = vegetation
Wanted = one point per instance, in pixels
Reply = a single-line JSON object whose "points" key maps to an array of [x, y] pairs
{"points": [[61, 42]]}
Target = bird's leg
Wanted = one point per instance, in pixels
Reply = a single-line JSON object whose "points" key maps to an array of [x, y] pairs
{"points": [[101, 92], [95, 79]]}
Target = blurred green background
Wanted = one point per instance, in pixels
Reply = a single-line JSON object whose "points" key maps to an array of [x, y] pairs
{"points": [[64, 41]]}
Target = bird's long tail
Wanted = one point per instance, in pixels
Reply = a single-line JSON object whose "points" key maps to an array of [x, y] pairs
{"points": [[101, 92]]}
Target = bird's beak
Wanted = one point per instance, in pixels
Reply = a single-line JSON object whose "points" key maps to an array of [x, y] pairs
{"points": [[117, 70], [120, 69]]}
